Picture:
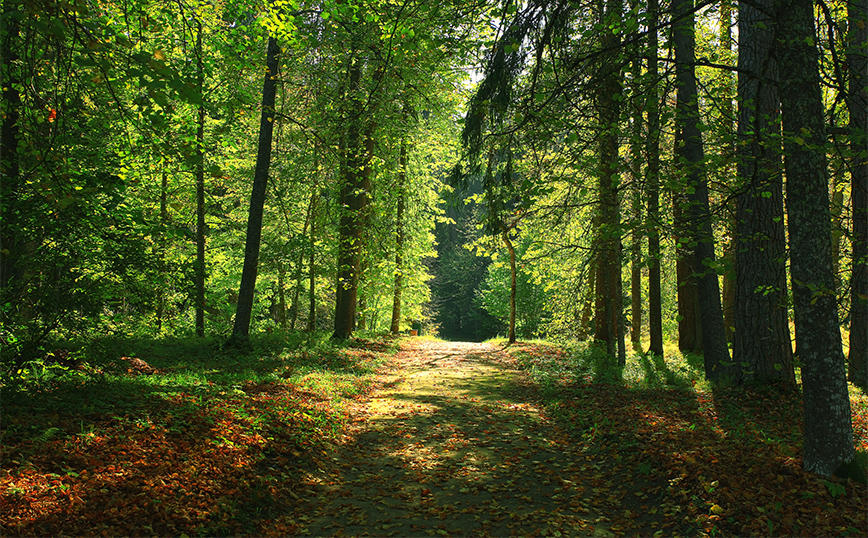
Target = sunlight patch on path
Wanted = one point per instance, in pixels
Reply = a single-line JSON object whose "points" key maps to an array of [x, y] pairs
{"points": [[445, 450]]}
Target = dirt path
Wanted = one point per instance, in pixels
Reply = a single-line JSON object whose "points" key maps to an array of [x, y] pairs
{"points": [[445, 450]]}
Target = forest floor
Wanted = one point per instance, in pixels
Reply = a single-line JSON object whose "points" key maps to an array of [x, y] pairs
{"points": [[407, 437], [449, 448]]}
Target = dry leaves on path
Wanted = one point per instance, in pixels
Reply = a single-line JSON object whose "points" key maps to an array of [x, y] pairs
{"points": [[446, 449]]}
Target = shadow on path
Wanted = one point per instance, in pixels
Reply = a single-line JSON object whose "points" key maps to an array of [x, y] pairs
{"points": [[445, 450]]}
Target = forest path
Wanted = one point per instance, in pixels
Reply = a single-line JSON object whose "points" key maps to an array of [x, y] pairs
{"points": [[446, 448]]}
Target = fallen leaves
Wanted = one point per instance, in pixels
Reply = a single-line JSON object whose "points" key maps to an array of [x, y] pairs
{"points": [[450, 441]]}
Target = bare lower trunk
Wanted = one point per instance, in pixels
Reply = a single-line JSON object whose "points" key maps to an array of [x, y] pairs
{"points": [[398, 289], [691, 155], [652, 148], [828, 427], [761, 344], [504, 234]]}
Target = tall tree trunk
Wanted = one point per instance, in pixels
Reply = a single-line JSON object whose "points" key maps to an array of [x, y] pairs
{"points": [[363, 294], [857, 57], [636, 210], [691, 155], [398, 289], [311, 314], [281, 295], [299, 265], [200, 189], [587, 310], [689, 326], [244, 310], [354, 203], [728, 126], [761, 344], [164, 221], [608, 245], [828, 428], [652, 148], [504, 234]]}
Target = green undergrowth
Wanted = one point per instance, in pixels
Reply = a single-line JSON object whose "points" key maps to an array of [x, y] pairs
{"points": [[294, 385]]}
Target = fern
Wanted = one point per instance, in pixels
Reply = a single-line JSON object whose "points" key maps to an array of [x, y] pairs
{"points": [[46, 436]]}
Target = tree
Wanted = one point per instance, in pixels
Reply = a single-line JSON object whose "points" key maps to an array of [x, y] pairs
{"points": [[608, 309], [652, 149], [358, 148], [199, 159], [398, 288], [689, 150], [761, 343], [828, 428], [241, 328], [857, 103]]}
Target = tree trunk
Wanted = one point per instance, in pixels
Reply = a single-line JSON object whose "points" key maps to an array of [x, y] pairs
{"points": [[729, 151], [354, 203], [761, 344], [164, 221], [200, 189], [311, 315], [587, 310], [364, 291], [395, 325], [244, 310], [299, 265], [652, 148], [828, 428], [608, 289], [689, 326], [636, 210], [690, 153], [281, 296], [504, 234], [857, 57]]}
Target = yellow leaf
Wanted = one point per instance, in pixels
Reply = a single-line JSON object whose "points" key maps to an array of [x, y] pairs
{"points": [[717, 509], [159, 54]]}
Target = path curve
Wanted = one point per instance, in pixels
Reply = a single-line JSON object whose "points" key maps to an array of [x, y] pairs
{"points": [[446, 448]]}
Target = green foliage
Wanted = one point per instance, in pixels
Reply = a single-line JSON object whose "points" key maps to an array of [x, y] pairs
{"points": [[856, 469], [531, 299]]}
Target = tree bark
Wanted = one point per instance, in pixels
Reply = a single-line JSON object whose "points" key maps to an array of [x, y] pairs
{"points": [[689, 326], [513, 286], [652, 148], [164, 221], [395, 326], [761, 344], [857, 57], [828, 428], [299, 266], [200, 189], [729, 151], [311, 315], [354, 203], [636, 210], [246, 292], [690, 153], [608, 245]]}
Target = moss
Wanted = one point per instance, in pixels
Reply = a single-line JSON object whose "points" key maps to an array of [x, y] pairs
{"points": [[857, 468]]}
